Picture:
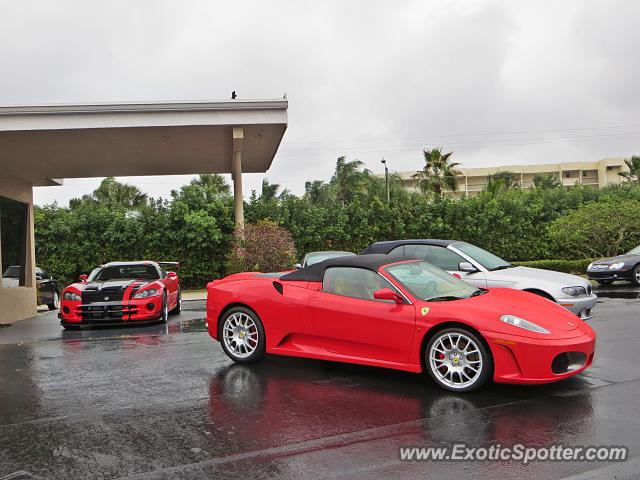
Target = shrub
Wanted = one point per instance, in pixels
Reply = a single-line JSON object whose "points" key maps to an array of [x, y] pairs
{"points": [[262, 247], [597, 229], [576, 267]]}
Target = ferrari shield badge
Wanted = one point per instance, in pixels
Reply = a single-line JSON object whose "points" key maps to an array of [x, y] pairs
{"points": [[424, 311]]}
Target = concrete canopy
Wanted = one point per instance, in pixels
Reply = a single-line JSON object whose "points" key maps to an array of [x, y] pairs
{"points": [[40, 144]]}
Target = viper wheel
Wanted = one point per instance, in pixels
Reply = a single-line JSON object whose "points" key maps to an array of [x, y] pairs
{"points": [[164, 316], [178, 308], [457, 360], [242, 335]]}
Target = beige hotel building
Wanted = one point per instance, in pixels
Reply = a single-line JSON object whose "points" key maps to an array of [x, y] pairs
{"points": [[597, 174]]}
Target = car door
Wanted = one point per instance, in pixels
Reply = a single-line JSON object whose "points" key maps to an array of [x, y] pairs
{"points": [[442, 257], [45, 287], [348, 321]]}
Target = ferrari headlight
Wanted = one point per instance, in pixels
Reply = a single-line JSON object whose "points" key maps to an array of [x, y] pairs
{"points": [[616, 266], [152, 292], [575, 291], [72, 296], [522, 323]]}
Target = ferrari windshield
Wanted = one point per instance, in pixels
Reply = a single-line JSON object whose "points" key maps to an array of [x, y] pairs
{"points": [[431, 283], [635, 251], [487, 260], [126, 272]]}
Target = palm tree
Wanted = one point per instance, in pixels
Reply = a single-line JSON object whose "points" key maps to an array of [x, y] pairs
{"points": [[438, 173], [346, 177], [269, 191], [633, 175], [507, 179], [214, 183], [546, 181], [113, 194]]}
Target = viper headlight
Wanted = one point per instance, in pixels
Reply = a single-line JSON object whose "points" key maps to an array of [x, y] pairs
{"points": [[522, 323], [616, 266], [575, 291], [590, 266], [72, 296], [152, 292]]}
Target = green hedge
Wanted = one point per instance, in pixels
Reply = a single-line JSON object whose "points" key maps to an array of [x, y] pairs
{"points": [[577, 267]]}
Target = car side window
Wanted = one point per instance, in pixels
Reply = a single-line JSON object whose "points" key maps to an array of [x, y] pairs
{"points": [[439, 256], [353, 282]]}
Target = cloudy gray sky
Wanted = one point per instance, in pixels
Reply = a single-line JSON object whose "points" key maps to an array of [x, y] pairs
{"points": [[498, 82]]}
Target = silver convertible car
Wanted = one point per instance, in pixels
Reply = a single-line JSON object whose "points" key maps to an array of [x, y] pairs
{"points": [[484, 269]]}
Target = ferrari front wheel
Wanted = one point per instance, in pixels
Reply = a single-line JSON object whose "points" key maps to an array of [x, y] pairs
{"points": [[242, 335], [458, 360]]}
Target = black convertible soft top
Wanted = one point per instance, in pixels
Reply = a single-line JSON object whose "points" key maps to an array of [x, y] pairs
{"points": [[315, 272]]}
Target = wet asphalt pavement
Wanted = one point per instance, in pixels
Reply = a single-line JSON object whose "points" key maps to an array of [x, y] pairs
{"points": [[163, 401]]}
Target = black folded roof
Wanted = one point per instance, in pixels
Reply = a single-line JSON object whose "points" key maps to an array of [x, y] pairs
{"points": [[315, 272]]}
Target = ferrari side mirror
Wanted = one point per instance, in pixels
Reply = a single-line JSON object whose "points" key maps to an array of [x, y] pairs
{"points": [[172, 275], [388, 294], [83, 277]]}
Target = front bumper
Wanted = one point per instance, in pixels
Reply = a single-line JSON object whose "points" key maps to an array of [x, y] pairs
{"points": [[526, 360], [74, 313], [581, 306], [611, 275]]}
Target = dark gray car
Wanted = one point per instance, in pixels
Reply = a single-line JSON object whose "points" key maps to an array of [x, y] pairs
{"points": [[623, 267]]}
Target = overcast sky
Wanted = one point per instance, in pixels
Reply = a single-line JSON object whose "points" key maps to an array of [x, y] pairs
{"points": [[497, 82]]}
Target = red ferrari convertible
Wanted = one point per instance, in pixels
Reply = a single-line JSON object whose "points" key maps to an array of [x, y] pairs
{"points": [[396, 313]]}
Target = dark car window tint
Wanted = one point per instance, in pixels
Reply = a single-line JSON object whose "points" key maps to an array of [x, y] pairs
{"points": [[439, 256], [353, 282], [127, 272]]}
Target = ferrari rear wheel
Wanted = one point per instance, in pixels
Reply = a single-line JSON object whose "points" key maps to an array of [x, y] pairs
{"points": [[458, 360], [242, 335]]}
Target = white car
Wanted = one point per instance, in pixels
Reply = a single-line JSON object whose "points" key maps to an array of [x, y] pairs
{"points": [[485, 269]]}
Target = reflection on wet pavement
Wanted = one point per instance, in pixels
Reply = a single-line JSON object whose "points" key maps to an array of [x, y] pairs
{"points": [[163, 401]]}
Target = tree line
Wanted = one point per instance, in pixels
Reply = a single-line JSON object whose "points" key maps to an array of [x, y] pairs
{"points": [[196, 227]]}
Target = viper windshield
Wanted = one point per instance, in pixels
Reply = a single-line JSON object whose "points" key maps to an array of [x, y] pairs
{"points": [[635, 251], [431, 283], [127, 272]]}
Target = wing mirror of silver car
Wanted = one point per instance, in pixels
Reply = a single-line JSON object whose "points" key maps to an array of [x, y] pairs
{"points": [[297, 266], [466, 267]]}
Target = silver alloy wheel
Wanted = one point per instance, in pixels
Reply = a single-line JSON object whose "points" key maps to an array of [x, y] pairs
{"points": [[240, 334], [165, 310], [637, 274], [455, 360], [56, 300]]}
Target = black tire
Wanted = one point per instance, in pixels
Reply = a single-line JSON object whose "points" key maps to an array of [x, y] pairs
{"points": [[164, 316], [479, 357], [635, 275], [542, 294], [604, 282], [178, 308], [233, 344], [55, 304]]}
